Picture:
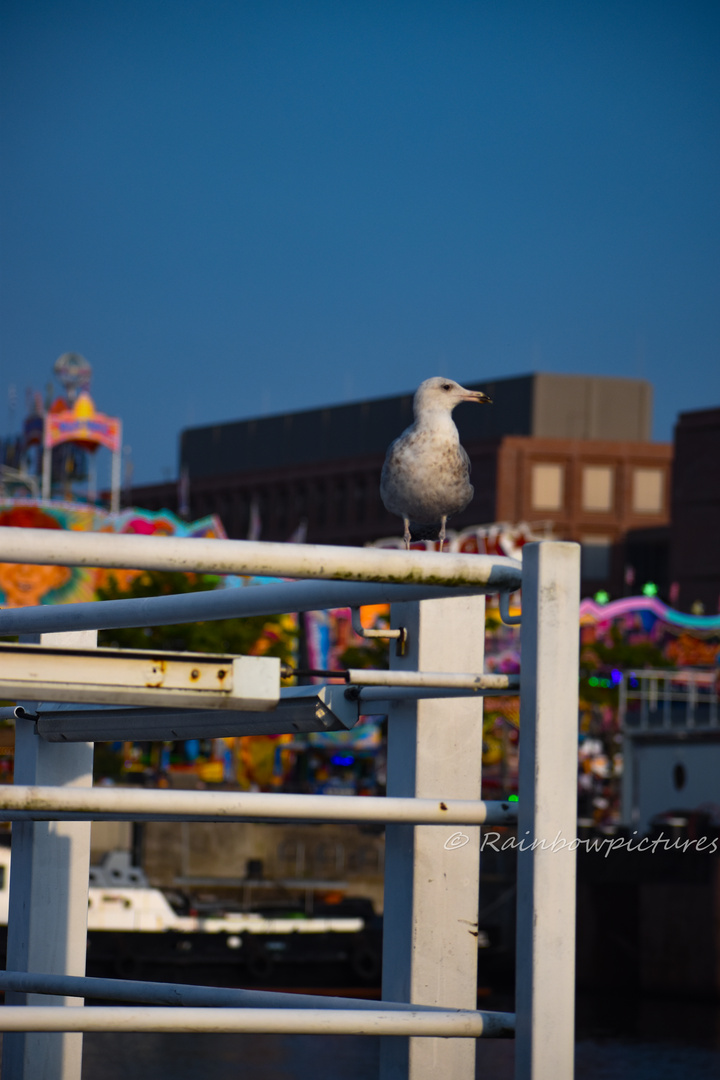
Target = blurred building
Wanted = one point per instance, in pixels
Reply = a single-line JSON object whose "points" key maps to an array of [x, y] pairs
{"points": [[572, 450], [694, 547]]}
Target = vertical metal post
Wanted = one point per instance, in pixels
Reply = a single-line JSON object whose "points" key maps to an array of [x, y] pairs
{"points": [[623, 700], [46, 471], [47, 924], [116, 478], [547, 825], [431, 872], [626, 784]]}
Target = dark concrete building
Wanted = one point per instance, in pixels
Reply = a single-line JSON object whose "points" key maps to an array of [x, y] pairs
{"points": [[695, 528], [570, 449]]}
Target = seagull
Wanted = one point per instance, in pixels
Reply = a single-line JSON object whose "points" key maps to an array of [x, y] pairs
{"points": [[426, 475]]}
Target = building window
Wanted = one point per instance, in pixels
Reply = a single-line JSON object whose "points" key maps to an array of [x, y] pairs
{"points": [[597, 487], [595, 558], [647, 491], [547, 487]]}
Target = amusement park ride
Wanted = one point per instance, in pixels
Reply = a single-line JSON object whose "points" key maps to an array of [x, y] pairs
{"points": [[49, 480], [60, 439]]}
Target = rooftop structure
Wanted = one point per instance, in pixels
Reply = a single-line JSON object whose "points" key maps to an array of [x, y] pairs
{"points": [[540, 405]]}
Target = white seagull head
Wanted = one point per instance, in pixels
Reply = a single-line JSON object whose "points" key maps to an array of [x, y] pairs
{"points": [[442, 395]]}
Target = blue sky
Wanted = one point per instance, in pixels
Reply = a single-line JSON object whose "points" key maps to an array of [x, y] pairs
{"points": [[238, 208]]}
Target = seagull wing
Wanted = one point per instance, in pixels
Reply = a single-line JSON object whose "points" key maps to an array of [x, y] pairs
{"points": [[388, 477]]}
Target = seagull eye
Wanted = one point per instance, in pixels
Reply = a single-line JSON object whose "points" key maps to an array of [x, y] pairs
{"points": [[447, 386]]}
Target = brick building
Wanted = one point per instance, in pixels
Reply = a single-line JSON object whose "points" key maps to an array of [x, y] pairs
{"points": [[570, 449]]}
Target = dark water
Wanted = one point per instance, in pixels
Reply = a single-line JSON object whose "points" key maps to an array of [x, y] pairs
{"points": [[637, 1040], [111, 1056]]}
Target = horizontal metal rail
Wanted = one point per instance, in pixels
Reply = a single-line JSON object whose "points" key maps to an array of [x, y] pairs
{"points": [[131, 552], [275, 722], [186, 994], [376, 697], [431, 680], [139, 677], [324, 708], [214, 604], [53, 803], [444, 1024]]}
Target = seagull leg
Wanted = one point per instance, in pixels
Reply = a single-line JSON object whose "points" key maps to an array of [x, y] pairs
{"points": [[443, 522], [406, 536]]}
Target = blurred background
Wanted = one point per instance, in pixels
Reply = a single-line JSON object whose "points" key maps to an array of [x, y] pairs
{"points": [[234, 238]]}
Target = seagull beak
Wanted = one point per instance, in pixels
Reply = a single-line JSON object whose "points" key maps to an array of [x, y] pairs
{"points": [[478, 396]]}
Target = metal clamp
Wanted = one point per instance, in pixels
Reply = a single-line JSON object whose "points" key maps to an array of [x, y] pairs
{"points": [[506, 617], [400, 634]]}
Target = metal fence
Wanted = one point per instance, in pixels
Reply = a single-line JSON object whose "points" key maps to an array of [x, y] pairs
{"points": [[433, 810], [668, 700]]}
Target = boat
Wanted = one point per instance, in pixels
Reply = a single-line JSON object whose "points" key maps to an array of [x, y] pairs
{"points": [[136, 930]]}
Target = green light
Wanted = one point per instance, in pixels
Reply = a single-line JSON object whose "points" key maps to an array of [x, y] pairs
{"points": [[602, 597], [593, 681], [512, 798], [650, 589]]}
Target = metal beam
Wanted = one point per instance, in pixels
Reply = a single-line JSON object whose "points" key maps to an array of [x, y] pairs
{"points": [[47, 917], [132, 552], [215, 604], [444, 1024], [53, 803], [545, 981], [431, 875], [158, 993], [301, 709], [138, 677]]}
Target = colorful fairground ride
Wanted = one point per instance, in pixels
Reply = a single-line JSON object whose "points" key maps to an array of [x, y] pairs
{"points": [[49, 480], [55, 456]]}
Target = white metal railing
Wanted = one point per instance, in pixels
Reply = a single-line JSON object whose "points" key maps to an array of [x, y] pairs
{"points": [[434, 761], [316, 561], [667, 699], [24, 802], [446, 1024]]}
